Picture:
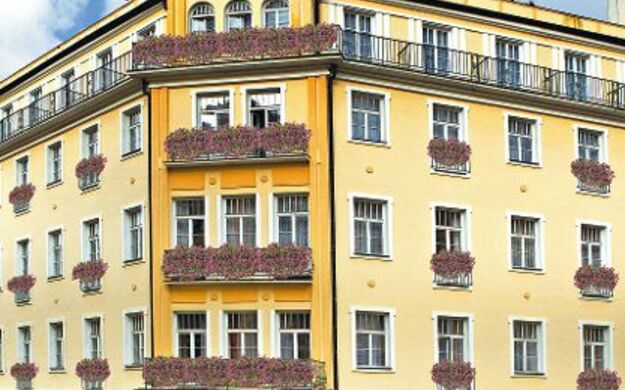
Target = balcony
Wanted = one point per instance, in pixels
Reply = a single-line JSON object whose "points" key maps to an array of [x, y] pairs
{"points": [[453, 269], [279, 142], [21, 286], [596, 281], [21, 196], [90, 273], [592, 176], [228, 263], [88, 171], [81, 89], [241, 373]]}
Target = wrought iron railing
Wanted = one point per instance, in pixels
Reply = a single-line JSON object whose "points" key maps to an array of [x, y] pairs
{"points": [[22, 297], [458, 169], [90, 286], [460, 280], [594, 189], [82, 88], [597, 292]]}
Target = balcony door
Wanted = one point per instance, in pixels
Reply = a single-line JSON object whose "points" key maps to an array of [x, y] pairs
{"points": [[436, 49], [67, 85], [576, 76], [508, 63], [358, 41], [104, 71]]}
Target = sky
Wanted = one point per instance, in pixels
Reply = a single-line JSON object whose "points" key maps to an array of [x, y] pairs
{"points": [[29, 28]]}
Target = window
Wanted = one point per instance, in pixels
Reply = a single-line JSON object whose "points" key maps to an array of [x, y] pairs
{"points": [[133, 233], [436, 49], [370, 227], [576, 75], [202, 17], [448, 122], [91, 240], [242, 334], [67, 94], [1, 350], [292, 219], [594, 246], [240, 220], [55, 163], [189, 222], [23, 257], [264, 107], [276, 13], [213, 111], [524, 243], [368, 117], [135, 339], [6, 124], [191, 334], [528, 347], [590, 145], [56, 359], [104, 76], [24, 344], [238, 15], [146, 32], [35, 108], [22, 171], [372, 340], [453, 339], [294, 335], [93, 338], [90, 142], [55, 253], [357, 38], [596, 347], [508, 62], [522, 140], [131, 132], [450, 229]]}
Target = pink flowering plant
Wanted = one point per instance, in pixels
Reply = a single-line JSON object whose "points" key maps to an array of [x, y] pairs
{"points": [[598, 380], [598, 277], [453, 375], [21, 195], [89, 271], [252, 43], [91, 165], [233, 262], [93, 370], [24, 371], [452, 264], [189, 144], [227, 373], [592, 173], [236, 142], [285, 138], [449, 152], [21, 284]]}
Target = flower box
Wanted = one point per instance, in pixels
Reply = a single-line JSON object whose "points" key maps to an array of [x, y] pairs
{"points": [[592, 176], [93, 372], [453, 375], [88, 171], [452, 268], [596, 282], [20, 286], [89, 273], [24, 373], [20, 197], [598, 380], [449, 155], [229, 262], [234, 373], [252, 43], [237, 142]]}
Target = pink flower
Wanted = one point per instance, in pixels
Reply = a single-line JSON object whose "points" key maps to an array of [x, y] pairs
{"points": [[236, 142], [451, 264], [24, 371], [453, 375], [598, 380], [600, 277], [89, 271], [21, 284], [449, 152], [93, 370], [92, 165], [234, 262], [285, 138], [592, 173], [285, 261], [21, 195]]}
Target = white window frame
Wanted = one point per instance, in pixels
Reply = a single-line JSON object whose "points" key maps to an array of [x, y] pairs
{"points": [[48, 168], [18, 342], [265, 10], [274, 226], [221, 218], [84, 237], [50, 322], [385, 112], [541, 266], [17, 162], [470, 318], [82, 152], [123, 115], [604, 155], [223, 334], [49, 259], [606, 239], [468, 212], [610, 362], [389, 337], [542, 348], [537, 138], [276, 330], [2, 348], [128, 333], [190, 15], [125, 231], [464, 117], [18, 263], [245, 91], [197, 93], [86, 335], [388, 239], [174, 227], [175, 330]]}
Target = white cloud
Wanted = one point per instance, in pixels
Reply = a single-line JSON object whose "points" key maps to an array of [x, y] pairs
{"points": [[28, 28], [110, 5]]}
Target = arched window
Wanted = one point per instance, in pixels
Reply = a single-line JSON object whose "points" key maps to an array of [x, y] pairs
{"points": [[276, 13], [238, 15], [202, 18]]}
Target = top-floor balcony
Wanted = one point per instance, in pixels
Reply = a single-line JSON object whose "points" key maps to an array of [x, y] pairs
{"points": [[364, 48], [68, 96]]}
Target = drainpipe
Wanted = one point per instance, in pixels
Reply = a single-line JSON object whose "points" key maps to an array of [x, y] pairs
{"points": [[330, 99]]}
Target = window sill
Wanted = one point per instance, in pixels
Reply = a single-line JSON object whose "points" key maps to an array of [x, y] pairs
{"points": [[459, 175], [452, 288], [133, 368], [89, 189], [533, 165], [55, 184], [596, 299], [363, 256], [528, 376], [593, 194], [52, 279], [380, 370], [527, 271], [59, 371], [92, 293], [26, 303], [22, 212], [129, 155], [383, 145], [130, 263]]}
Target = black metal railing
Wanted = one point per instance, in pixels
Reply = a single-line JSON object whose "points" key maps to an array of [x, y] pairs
{"points": [[460, 280], [82, 88], [504, 73], [597, 292], [593, 189], [458, 169]]}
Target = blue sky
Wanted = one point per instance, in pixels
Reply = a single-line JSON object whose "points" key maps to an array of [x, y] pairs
{"points": [[596, 9]]}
